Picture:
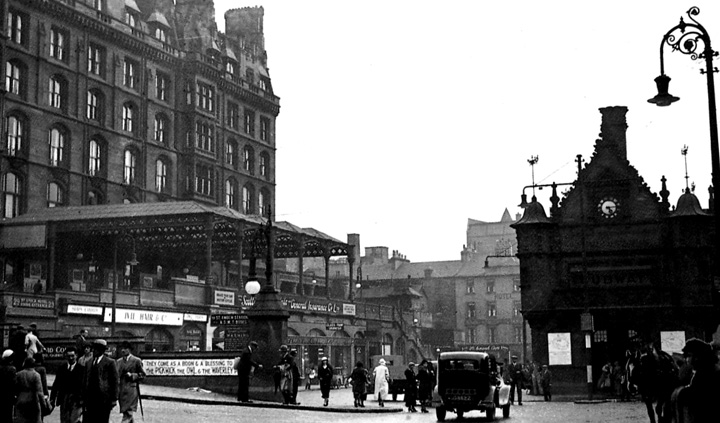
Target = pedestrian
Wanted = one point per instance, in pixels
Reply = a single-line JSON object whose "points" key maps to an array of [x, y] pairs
{"points": [[515, 374], [325, 376], [245, 367], [277, 372], [605, 382], [32, 342], [699, 401], [100, 387], [87, 354], [359, 380], [17, 344], [286, 381], [425, 385], [29, 391], [7, 383], [535, 378], [311, 375], [130, 373], [42, 371], [67, 388], [295, 376], [80, 340], [656, 377], [618, 375], [381, 377], [546, 383], [410, 388]]}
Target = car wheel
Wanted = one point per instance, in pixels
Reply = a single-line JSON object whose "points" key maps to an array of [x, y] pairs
{"points": [[440, 413], [460, 414], [506, 411], [490, 414]]}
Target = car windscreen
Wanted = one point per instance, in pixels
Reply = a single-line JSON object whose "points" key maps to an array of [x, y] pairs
{"points": [[459, 364]]}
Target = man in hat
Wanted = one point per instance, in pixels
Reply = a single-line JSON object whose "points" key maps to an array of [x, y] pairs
{"points": [[244, 368], [277, 373], [295, 375], [698, 402], [67, 388], [410, 388], [7, 386], [131, 372], [546, 382], [100, 389], [515, 373], [325, 376]]}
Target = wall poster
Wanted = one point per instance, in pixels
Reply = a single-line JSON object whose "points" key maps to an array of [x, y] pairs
{"points": [[559, 351]]}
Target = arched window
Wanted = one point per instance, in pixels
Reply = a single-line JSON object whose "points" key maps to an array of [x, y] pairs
{"points": [[94, 158], [263, 201], [129, 167], [231, 153], [15, 77], [387, 344], [161, 169], [128, 117], [231, 193], [54, 195], [158, 339], [95, 105], [57, 92], [12, 189], [247, 198], [15, 130], [57, 140], [264, 165], [248, 159], [400, 346], [160, 128]]}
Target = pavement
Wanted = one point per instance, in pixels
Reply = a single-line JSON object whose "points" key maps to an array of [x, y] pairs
{"points": [[341, 399]]}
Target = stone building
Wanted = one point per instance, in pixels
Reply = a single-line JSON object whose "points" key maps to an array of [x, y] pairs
{"points": [[613, 266]]}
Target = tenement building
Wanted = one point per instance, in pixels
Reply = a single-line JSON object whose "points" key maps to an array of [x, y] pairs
{"points": [[137, 174], [614, 266]]}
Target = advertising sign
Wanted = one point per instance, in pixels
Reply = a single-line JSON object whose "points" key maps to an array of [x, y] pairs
{"points": [[224, 297], [201, 367], [672, 341], [82, 309], [144, 317], [559, 351]]}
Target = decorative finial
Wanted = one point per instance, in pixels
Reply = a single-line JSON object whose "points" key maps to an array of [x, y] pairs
{"points": [[533, 161], [684, 152]]}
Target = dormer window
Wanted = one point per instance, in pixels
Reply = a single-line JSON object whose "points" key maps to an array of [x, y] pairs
{"points": [[130, 18], [161, 34], [230, 67]]}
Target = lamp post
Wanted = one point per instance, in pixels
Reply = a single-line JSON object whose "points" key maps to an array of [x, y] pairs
{"points": [[132, 262], [688, 38]]}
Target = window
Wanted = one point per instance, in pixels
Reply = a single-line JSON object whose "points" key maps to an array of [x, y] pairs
{"points": [[54, 195], [248, 160], [130, 69], [130, 18], [231, 153], [516, 309], [129, 167], [516, 285], [99, 5], [230, 67], [230, 194], [16, 28], [94, 158], [160, 129], [490, 288], [264, 165], [59, 41], [471, 336], [600, 336], [128, 118], [205, 97], [160, 175], [263, 202], [57, 146], [470, 287], [56, 91], [15, 130], [96, 59], [204, 180], [160, 34], [11, 195], [264, 129], [161, 86], [15, 76], [233, 115], [491, 310], [189, 92], [517, 334], [95, 103], [471, 313], [247, 199], [250, 122], [204, 137], [492, 335]]}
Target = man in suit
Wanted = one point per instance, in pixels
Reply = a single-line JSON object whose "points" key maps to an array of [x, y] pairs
{"points": [[515, 373], [131, 372], [244, 368], [67, 388], [101, 385]]}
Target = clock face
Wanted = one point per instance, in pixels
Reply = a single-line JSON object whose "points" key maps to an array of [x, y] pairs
{"points": [[608, 207]]}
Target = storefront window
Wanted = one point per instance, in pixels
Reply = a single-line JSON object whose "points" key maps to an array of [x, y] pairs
{"points": [[158, 339]]}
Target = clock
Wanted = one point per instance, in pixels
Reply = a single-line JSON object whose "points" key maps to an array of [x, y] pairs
{"points": [[608, 207]]}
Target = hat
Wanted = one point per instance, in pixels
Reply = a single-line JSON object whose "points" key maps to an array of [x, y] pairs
{"points": [[382, 361], [514, 356], [324, 359], [411, 364], [283, 348], [100, 343], [7, 353], [253, 344], [293, 352], [544, 366], [696, 346], [33, 325]]}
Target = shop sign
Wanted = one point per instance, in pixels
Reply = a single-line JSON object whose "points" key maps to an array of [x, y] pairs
{"points": [[192, 332], [167, 367], [247, 300], [144, 317], [349, 309], [313, 306], [318, 340], [30, 302], [224, 297], [82, 309], [228, 319], [335, 326], [190, 317]]}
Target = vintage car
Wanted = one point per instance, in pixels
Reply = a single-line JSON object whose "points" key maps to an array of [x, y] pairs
{"points": [[469, 381]]}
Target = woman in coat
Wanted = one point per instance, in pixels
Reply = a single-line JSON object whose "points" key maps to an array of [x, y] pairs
{"points": [[425, 379], [29, 394], [381, 376], [325, 376], [410, 388], [359, 379]]}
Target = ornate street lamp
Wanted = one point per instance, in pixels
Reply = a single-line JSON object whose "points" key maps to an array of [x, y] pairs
{"points": [[693, 39]]}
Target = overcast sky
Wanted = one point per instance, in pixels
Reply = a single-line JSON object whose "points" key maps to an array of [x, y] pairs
{"points": [[402, 119]]}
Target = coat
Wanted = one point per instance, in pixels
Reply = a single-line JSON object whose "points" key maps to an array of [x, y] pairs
{"points": [[359, 378], [100, 387], [410, 388], [381, 376], [28, 389], [67, 388], [325, 376], [425, 384], [246, 363], [130, 373]]}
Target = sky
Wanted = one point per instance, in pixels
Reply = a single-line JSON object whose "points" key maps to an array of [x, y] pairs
{"points": [[400, 120]]}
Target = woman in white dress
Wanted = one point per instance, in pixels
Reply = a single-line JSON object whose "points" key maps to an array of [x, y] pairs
{"points": [[381, 375]]}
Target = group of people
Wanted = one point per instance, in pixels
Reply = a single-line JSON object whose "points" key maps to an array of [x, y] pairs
{"points": [[535, 378], [418, 388], [87, 386]]}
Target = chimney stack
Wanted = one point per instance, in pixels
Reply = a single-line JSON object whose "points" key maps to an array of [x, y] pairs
{"points": [[613, 129]]}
